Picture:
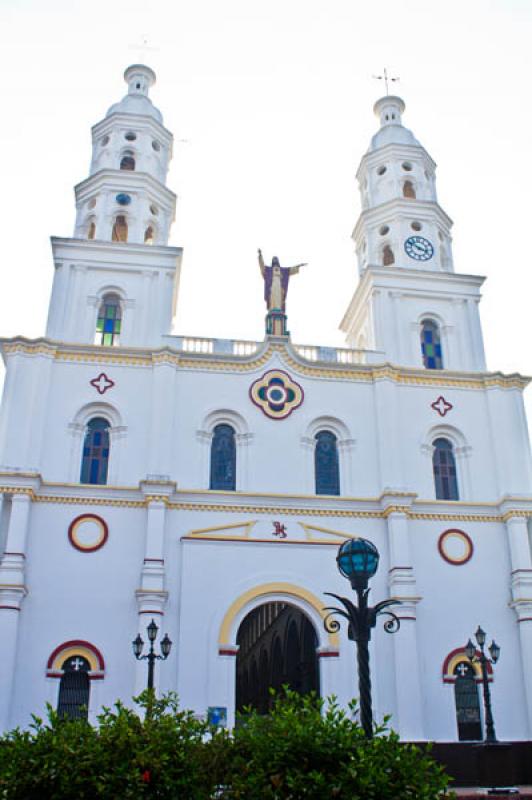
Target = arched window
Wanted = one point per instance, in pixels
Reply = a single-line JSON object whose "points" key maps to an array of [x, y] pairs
{"points": [[91, 232], [149, 235], [444, 468], [128, 161], [74, 688], [223, 458], [408, 190], [431, 345], [467, 703], [326, 467], [109, 321], [120, 229], [388, 257], [95, 458]]}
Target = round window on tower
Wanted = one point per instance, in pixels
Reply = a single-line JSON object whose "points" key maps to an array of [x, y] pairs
{"points": [[154, 210], [384, 229], [416, 226], [156, 146], [123, 199], [381, 170], [130, 136], [104, 141], [407, 166]]}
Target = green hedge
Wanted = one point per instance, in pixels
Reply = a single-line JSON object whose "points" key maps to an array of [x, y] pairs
{"points": [[304, 748]]}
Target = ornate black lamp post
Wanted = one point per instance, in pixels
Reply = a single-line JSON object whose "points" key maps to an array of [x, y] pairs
{"points": [[483, 660], [151, 657], [358, 560]]}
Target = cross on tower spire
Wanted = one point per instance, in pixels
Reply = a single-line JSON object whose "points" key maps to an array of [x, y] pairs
{"points": [[142, 47], [386, 78]]}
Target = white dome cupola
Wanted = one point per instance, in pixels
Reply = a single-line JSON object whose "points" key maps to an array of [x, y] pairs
{"points": [[401, 223], [125, 198]]}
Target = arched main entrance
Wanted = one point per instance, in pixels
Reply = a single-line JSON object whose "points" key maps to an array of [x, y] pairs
{"points": [[277, 646]]}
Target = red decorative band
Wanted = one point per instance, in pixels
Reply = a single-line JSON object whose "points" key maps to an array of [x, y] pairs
{"points": [[523, 619], [148, 611], [93, 676], [226, 652], [9, 553], [329, 654], [77, 643], [413, 618], [392, 569], [157, 560], [12, 608]]}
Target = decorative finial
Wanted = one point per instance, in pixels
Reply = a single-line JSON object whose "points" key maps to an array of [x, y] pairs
{"points": [[385, 77]]}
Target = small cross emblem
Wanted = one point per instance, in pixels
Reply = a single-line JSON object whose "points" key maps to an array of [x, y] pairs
{"points": [[102, 383], [462, 669], [441, 406], [279, 530], [76, 664]]}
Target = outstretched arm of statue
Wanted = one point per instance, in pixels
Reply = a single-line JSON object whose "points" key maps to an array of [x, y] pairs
{"points": [[261, 263], [295, 270]]}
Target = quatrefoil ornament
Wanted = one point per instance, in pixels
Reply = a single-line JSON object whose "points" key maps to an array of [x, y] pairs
{"points": [[276, 394]]}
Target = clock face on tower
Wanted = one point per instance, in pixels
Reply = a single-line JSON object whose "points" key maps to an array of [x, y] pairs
{"points": [[419, 248]]}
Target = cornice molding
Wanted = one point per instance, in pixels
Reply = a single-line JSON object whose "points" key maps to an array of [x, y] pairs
{"points": [[144, 357], [204, 500]]}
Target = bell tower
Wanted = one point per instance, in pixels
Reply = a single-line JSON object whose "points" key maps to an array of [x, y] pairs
{"points": [[404, 252], [124, 212]]}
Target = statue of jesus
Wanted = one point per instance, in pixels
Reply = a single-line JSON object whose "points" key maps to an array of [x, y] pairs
{"points": [[276, 283]]}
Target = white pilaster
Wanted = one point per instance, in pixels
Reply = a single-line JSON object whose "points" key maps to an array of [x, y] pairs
{"points": [[402, 583], [521, 563], [12, 593]]}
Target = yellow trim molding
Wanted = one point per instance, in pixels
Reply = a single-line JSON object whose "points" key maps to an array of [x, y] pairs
{"points": [[288, 589]]}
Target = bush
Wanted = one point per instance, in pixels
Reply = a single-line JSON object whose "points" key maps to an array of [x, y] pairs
{"points": [[303, 749], [124, 757], [306, 748]]}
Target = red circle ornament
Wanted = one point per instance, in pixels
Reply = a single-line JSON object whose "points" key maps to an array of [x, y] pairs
{"points": [[447, 547], [88, 533]]}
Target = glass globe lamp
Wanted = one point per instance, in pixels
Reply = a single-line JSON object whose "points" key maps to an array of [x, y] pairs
{"points": [[358, 560]]}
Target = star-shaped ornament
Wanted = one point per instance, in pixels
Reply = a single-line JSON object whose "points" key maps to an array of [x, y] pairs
{"points": [[441, 406], [102, 383]]}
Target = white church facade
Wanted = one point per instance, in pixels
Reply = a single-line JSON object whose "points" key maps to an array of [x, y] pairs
{"points": [[140, 475]]}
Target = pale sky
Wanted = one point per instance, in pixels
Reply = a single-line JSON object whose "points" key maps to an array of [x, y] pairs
{"points": [[274, 103]]}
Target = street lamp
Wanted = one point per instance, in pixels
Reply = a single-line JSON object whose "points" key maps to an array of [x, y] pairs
{"points": [[483, 660], [151, 657], [358, 560]]}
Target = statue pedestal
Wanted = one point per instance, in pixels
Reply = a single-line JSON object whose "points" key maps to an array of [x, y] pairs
{"points": [[276, 324]]}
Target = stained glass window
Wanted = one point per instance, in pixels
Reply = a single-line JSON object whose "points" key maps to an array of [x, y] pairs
{"points": [[95, 458], [326, 464], [74, 689], [223, 458], [444, 467], [431, 345], [467, 703], [109, 321]]}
